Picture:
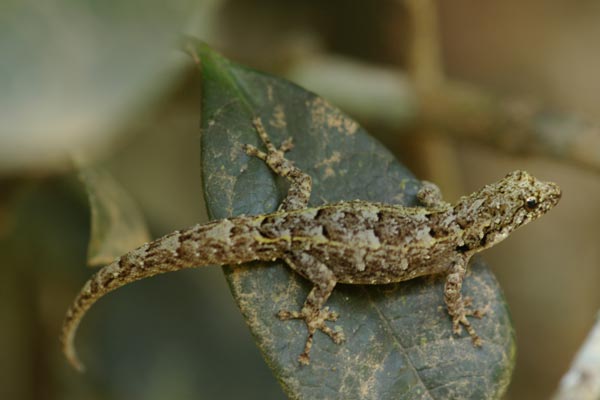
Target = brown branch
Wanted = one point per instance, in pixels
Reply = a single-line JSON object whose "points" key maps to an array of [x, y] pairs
{"points": [[516, 126], [456, 109]]}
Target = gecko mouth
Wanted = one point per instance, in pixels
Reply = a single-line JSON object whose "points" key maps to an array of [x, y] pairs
{"points": [[519, 218]]}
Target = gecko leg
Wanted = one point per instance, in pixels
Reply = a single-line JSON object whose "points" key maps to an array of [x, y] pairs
{"points": [[300, 182], [313, 313], [430, 196], [459, 307]]}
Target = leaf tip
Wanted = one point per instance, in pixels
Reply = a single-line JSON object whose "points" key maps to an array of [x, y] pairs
{"points": [[197, 49]]}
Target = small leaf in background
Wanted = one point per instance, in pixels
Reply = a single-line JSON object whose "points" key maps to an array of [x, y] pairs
{"points": [[118, 225], [399, 338]]}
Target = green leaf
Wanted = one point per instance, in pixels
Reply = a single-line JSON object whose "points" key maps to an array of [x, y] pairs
{"points": [[118, 225], [399, 339]]}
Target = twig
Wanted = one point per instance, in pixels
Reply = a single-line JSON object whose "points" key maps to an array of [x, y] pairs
{"points": [[582, 381], [435, 152], [425, 62]]}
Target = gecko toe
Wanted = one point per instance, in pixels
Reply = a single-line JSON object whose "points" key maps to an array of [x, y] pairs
{"points": [[285, 315], [479, 313], [456, 327], [329, 315], [304, 359], [336, 336], [254, 152], [287, 145]]}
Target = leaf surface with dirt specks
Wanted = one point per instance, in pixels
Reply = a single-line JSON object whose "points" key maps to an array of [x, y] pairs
{"points": [[399, 342]]}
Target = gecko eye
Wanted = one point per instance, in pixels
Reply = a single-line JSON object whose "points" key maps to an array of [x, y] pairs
{"points": [[531, 203]]}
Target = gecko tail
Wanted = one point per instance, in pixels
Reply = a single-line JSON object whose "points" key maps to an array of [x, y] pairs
{"points": [[107, 279], [71, 354], [216, 243]]}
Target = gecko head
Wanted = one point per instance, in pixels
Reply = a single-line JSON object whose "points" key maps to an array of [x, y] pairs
{"points": [[527, 198], [500, 208]]}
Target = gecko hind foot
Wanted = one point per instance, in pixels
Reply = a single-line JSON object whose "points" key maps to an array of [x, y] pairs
{"points": [[274, 157], [300, 183], [315, 320], [272, 151]]}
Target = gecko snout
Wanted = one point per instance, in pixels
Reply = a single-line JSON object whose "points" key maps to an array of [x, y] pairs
{"points": [[552, 193], [547, 197]]}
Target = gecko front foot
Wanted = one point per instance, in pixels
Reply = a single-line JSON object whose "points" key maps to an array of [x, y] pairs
{"points": [[315, 320], [459, 307], [460, 320]]}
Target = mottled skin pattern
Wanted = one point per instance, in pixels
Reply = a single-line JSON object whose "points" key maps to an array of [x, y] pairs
{"points": [[355, 242]]}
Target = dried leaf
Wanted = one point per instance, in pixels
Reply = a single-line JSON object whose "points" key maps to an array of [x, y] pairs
{"points": [[118, 225]]}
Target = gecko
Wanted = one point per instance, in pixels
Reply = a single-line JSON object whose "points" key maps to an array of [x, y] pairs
{"points": [[348, 242]]}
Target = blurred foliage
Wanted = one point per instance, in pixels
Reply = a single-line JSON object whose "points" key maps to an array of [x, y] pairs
{"points": [[41, 260], [73, 71]]}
